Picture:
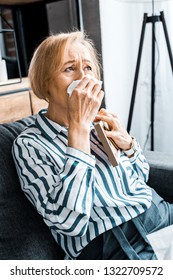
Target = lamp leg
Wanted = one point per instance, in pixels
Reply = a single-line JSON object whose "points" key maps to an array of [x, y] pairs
{"points": [[153, 19], [152, 84], [136, 73], [167, 39]]}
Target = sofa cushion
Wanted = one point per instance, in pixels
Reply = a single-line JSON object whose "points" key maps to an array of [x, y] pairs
{"points": [[161, 173], [23, 234]]}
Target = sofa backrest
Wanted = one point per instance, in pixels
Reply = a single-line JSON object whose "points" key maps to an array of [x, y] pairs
{"points": [[23, 234]]}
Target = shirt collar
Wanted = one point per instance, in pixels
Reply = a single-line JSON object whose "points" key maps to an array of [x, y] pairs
{"points": [[49, 128]]}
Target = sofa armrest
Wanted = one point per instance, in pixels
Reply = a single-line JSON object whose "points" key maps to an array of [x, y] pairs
{"points": [[161, 173], [23, 234]]}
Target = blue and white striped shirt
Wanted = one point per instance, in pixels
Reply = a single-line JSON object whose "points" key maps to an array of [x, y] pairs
{"points": [[79, 196]]}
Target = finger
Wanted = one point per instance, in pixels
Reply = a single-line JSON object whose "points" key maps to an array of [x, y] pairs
{"points": [[83, 83], [96, 91], [100, 96], [91, 86], [104, 118], [103, 111], [112, 123], [89, 83]]}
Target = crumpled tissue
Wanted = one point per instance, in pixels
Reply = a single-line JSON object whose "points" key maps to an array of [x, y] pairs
{"points": [[75, 83]]}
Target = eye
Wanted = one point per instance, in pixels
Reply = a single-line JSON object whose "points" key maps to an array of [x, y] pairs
{"points": [[69, 69], [88, 68]]}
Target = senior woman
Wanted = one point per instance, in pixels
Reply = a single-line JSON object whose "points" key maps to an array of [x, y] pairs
{"points": [[93, 209]]}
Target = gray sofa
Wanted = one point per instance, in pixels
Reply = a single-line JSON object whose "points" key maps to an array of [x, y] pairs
{"points": [[23, 235]]}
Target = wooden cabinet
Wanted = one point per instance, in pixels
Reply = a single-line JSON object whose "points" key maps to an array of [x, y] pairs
{"points": [[18, 101]]}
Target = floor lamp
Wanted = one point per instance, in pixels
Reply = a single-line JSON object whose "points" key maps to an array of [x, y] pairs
{"points": [[80, 15], [149, 19]]}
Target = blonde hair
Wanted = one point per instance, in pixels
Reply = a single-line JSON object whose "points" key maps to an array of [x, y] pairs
{"points": [[48, 59]]}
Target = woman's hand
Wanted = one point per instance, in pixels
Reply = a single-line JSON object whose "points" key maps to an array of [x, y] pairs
{"points": [[83, 106], [117, 132], [85, 101]]}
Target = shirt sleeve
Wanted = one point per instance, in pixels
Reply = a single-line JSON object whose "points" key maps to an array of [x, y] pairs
{"points": [[140, 165], [61, 188]]}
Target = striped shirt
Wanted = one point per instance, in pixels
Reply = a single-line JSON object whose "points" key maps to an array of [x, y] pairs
{"points": [[78, 195]]}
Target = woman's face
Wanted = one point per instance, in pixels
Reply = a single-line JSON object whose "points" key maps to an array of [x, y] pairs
{"points": [[76, 64]]}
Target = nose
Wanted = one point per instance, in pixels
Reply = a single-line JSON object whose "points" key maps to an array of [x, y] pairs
{"points": [[80, 74]]}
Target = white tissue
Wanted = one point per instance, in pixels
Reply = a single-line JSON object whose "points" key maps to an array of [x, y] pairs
{"points": [[74, 84]]}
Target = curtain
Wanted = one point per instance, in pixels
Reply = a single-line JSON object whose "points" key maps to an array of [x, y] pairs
{"points": [[121, 24]]}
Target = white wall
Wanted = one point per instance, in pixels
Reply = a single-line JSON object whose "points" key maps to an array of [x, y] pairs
{"points": [[121, 25]]}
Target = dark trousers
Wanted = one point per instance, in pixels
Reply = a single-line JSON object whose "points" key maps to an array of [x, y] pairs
{"points": [[128, 241]]}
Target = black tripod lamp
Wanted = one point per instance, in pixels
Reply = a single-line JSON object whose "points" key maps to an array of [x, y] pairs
{"points": [[153, 19]]}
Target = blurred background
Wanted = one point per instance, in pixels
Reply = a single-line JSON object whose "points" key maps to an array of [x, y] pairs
{"points": [[115, 26]]}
